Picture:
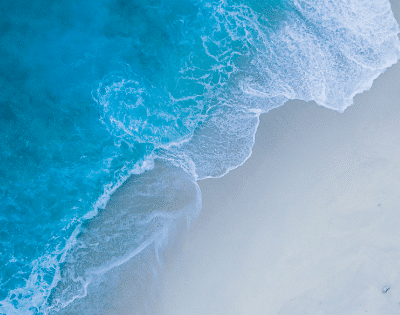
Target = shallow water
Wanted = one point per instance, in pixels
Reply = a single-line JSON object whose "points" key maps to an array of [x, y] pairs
{"points": [[93, 92]]}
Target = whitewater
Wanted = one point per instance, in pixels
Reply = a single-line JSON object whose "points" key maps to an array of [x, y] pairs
{"points": [[126, 100]]}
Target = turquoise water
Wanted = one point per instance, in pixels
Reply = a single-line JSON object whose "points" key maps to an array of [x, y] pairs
{"points": [[93, 92]]}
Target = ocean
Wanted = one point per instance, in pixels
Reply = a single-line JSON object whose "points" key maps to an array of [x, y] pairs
{"points": [[111, 111]]}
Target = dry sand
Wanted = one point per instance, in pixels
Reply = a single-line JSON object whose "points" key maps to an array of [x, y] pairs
{"points": [[309, 224]]}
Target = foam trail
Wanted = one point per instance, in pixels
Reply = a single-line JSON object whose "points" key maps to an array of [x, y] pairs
{"points": [[141, 216], [54, 261]]}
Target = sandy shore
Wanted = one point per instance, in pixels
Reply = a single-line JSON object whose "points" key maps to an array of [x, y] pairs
{"points": [[309, 224]]}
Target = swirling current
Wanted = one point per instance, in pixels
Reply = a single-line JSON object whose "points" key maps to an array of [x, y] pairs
{"points": [[157, 94]]}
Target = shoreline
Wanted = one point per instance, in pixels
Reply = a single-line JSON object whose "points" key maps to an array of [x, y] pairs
{"points": [[251, 250], [316, 179]]}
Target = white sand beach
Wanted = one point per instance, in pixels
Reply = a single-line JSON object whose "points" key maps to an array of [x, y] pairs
{"points": [[309, 224]]}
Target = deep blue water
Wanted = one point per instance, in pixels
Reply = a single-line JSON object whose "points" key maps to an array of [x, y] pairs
{"points": [[92, 92]]}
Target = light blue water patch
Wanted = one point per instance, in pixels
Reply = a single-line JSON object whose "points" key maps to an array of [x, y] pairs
{"points": [[92, 92]]}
